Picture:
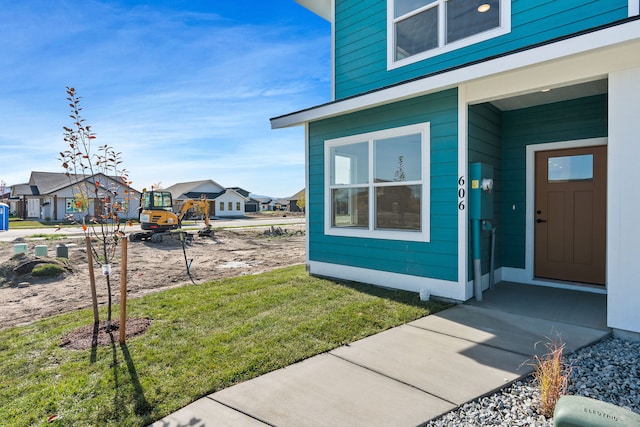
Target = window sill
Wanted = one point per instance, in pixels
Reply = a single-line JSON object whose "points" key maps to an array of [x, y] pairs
{"points": [[402, 235]]}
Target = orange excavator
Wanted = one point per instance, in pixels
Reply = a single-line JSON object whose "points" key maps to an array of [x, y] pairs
{"points": [[157, 218]]}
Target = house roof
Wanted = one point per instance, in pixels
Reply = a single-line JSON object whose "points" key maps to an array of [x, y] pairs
{"points": [[49, 182], [22, 190], [241, 191], [179, 190], [42, 183], [196, 195], [299, 195]]}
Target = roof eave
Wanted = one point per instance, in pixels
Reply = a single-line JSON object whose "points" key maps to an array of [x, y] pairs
{"points": [[322, 8]]}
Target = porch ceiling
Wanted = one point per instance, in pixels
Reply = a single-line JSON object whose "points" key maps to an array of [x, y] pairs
{"points": [[550, 95]]}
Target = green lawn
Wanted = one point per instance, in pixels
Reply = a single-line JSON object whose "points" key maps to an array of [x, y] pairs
{"points": [[202, 338], [16, 223]]}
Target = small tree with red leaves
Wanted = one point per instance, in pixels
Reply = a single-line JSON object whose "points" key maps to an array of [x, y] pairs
{"points": [[99, 178]]}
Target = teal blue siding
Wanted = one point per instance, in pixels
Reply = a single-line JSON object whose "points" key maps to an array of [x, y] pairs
{"points": [[435, 259], [562, 121], [361, 38], [485, 146]]}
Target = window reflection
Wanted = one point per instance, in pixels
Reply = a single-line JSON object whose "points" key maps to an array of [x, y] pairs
{"points": [[570, 168]]}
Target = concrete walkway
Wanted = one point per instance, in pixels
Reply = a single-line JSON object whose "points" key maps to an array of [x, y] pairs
{"points": [[411, 374]]}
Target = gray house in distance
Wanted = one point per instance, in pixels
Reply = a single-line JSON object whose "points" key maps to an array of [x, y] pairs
{"points": [[51, 196]]}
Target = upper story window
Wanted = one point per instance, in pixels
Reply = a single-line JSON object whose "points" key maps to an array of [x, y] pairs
{"points": [[419, 29], [377, 184]]}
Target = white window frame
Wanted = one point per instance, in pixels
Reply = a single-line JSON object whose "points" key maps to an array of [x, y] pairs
{"points": [[422, 235], [392, 63], [634, 7]]}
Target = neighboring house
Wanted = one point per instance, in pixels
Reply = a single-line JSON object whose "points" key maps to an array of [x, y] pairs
{"points": [[223, 202], [250, 205], [544, 94], [51, 196], [266, 203], [293, 201]]}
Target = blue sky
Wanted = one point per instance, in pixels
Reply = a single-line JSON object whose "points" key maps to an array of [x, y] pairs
{"points": [[184, 89]]}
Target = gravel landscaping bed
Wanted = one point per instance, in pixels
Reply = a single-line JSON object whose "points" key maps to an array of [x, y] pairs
{"points": [[607, 371]]}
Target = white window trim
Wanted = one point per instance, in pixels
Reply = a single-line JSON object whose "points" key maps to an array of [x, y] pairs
{"points": [[634, 7], [422, 235], [504, 28]]}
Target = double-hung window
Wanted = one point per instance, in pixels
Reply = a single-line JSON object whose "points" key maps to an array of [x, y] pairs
{"points": [[419, 29], [377, 184]]}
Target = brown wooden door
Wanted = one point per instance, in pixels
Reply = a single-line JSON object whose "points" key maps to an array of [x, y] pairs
{"points": [[570, 216]]}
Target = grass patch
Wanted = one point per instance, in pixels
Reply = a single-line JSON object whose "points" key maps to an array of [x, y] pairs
{"points": [[15, 223], [202, 338], [48, 236], [47, 270]]}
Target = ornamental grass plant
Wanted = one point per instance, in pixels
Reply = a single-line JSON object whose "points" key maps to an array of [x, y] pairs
{"points": [[551, 376]]}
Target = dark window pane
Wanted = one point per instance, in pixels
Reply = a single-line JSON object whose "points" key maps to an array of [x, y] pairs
{"points": [[465, 19], [417, 33], [398, 207], [350, 207], [402, 7]]}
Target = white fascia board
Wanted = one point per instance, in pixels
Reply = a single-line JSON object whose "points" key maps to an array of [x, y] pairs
{"points": [[593, 42], [322, 8]]}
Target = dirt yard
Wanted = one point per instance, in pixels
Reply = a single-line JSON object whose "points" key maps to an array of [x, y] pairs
{"points": [[151, 267]]}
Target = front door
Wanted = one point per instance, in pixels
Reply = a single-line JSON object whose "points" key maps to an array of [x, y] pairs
{"points": [[570, 216]]}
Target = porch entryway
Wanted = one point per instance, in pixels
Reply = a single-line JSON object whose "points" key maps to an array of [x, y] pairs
{"points": [[549, 158]]}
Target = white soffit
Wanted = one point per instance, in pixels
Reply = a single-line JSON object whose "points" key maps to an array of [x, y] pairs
{"points": [[578, 59], [548, 95], [322, 8]]}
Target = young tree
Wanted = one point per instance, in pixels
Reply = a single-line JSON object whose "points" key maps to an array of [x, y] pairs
{"points": [[97, 176], [301, 202]]}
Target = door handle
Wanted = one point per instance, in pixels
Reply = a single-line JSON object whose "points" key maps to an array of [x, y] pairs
{"points": [[540, 220]]}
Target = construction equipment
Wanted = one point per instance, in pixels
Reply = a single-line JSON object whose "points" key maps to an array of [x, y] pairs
{"points": [[157, 218]]}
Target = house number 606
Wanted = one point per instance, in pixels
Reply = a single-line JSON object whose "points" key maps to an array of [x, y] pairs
{"points": [[461, 193]]}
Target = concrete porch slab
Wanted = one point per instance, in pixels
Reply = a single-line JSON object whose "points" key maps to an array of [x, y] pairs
{"points": [[508, 331], [563, 305]]}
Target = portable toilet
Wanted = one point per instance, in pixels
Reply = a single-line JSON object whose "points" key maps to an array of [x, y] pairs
{"points": [[4, 217]]}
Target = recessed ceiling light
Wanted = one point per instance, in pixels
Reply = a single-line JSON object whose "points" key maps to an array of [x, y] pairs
{"points": [[484, 7]]}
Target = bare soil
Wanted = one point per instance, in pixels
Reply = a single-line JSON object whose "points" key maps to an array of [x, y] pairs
{"points": [[151, 267]]}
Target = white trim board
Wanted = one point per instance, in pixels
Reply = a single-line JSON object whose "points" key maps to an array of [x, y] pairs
{"points": [[530, 198], [436, 287], [463, 216], [306, 190]]}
